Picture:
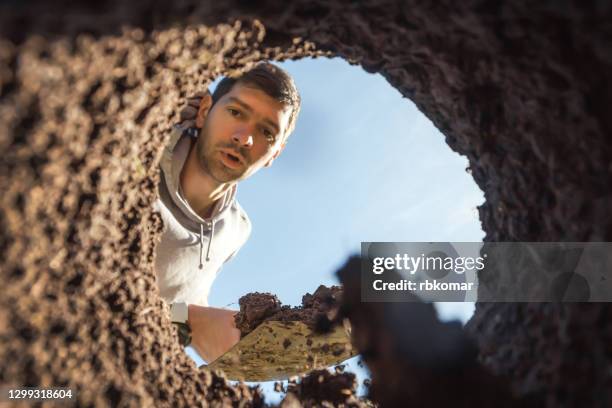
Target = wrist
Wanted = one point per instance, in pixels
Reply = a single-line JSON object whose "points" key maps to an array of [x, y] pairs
{"points": [[179, 313]]}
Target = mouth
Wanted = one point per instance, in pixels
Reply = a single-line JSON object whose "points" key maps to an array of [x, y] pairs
{"points": [[231, 159]]}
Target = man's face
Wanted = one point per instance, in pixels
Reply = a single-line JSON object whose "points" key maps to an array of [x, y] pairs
{"points": [[243, 132]]}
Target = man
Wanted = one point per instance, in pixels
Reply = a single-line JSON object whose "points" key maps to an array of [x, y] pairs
{"points": [[238, 130]]}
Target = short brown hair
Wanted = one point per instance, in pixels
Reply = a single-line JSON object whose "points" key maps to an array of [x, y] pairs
{"points": [[270, 79]]}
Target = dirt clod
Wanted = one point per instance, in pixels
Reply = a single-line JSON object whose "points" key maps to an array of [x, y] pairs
{"points": [[319, 310], [255, 308], [286, 343], [321, 387]]}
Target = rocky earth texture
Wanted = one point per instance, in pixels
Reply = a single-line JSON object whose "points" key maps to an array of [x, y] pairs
{"points": [[89, 91], [318, 311], [321, 388], [414, 359]]}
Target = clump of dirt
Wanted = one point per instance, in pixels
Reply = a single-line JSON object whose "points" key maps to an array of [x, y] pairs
{"points": [[255, 308], [319, 310], [412, 355], [323, 388]]}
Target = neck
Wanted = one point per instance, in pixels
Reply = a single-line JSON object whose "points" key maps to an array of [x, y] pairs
{"points": [[200, 190]]}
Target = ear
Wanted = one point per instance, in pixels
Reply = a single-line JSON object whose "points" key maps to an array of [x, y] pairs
{"points": [[203, 110], [278, 152]]}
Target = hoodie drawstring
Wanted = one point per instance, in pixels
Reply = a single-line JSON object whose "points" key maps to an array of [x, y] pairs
{"points": [[201, 244], [212, 232]]}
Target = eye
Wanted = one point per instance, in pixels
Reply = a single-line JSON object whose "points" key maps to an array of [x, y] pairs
{"points": [[269, 135], [235, 113]]}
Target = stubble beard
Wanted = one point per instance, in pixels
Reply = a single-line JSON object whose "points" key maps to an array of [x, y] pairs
{"points": [[208, 158]]}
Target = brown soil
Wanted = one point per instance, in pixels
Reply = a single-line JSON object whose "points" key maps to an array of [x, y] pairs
{"points": [[254, 309], [318, 311], [320, 388], [416, 360]]}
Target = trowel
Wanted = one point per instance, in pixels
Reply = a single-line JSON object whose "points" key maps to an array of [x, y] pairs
{"points": [[278, 350]]}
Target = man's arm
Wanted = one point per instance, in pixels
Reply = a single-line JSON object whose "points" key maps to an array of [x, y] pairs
{"points": [[213, 331]]}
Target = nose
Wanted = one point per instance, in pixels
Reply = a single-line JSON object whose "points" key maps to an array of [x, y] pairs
{"points": [[243, 137]]}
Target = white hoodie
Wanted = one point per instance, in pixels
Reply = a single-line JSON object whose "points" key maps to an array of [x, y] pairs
{"points": [[193, 249]]}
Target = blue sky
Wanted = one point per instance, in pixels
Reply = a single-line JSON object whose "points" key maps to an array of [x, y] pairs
{"points": [[364, 164]]}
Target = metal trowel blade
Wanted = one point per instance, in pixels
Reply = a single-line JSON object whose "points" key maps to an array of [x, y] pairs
{"points": [[278, 350]]}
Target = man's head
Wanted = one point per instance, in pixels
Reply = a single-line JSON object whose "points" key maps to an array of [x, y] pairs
{"points": [[246, 122]]}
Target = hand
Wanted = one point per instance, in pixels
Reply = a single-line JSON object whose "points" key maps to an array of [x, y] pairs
{"points": [[189, 114], [213, 331]]}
